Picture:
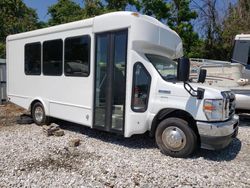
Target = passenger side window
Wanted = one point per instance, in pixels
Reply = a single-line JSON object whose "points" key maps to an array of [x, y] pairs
{"points": [[52, 57], [77, 56], [32, 59], [141, 88]]}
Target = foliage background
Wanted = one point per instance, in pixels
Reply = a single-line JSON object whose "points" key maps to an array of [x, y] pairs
{"points": [[215, 42]]}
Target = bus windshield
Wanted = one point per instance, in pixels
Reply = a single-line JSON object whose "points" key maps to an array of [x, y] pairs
{"points": [[165, 66]]}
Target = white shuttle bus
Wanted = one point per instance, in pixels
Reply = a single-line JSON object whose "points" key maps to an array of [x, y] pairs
{"points": [[120, 72]]}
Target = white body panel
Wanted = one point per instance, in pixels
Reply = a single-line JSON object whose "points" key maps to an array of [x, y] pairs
{"points": [[72, 98], [53, 91]]}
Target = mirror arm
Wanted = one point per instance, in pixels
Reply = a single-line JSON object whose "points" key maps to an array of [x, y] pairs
{"points": [[199, 93]]}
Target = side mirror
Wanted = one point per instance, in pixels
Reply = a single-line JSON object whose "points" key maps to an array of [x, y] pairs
{"points": [[183, 69], [202, 75]]}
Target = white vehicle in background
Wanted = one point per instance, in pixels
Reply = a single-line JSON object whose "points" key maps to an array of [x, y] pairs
{"points": [[121, 77], [233, 75]]}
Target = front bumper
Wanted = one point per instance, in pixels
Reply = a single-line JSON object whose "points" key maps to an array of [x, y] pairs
{"points": [[218, 135]]}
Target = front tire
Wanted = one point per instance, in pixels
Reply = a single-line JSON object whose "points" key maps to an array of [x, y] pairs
{"points": [[38, 114], [175, 138]]}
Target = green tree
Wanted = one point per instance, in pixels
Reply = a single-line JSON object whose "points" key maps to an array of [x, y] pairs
{"points": [[160, 9], [93, 8], [117, 5], [15, 17], [175, 13], [121, 5], [213, 44], [180, 21], [64, 11], [219, 35], [236, 22]]}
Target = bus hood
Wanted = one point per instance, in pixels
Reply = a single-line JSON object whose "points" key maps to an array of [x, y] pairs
{"points": [[210, 91]]}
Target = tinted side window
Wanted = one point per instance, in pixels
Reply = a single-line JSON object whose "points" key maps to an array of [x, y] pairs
{"points": [[77, 56], [141, 88], [52, 57], [32, 59]]}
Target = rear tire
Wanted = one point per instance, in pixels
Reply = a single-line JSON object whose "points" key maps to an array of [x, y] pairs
{"points": [[38, 114], [175, 138]]}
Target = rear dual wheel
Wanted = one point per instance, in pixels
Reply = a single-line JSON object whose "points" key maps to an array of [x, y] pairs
{"points": [[175, 138]]}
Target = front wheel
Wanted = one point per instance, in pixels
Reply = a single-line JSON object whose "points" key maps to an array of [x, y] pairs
{"points": [[175, 138], [38, 114]]}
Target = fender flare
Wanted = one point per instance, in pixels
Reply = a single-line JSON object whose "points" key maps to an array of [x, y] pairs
{"points": [[45, 106], [173, 112]]}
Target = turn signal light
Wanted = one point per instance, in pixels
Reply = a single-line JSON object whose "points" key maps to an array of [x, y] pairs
{"points": [[208, 107]]}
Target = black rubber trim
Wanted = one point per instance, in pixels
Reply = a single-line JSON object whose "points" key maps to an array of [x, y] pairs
{"points": [[231, 117], [216, 143]]}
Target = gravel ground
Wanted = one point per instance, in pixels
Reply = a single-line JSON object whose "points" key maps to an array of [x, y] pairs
{"points": [[30, 159]]}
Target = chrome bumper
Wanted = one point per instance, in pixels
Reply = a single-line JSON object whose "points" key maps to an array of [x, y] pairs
{"points": [[217, 135], [218, 129]]}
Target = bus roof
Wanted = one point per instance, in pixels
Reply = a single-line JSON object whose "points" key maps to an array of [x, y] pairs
{"points": [[147, 32], [99, 23]]}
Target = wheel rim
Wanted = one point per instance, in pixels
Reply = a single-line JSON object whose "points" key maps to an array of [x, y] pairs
{"points": [[174, 138], [39, 114]]}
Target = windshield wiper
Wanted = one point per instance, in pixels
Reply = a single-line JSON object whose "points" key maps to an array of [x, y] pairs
{"points": [[170, 77]]}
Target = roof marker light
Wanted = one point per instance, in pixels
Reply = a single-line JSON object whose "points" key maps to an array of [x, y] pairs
{"points": [[135, 14]]}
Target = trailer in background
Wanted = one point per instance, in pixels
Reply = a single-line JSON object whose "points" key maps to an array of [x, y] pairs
{"points": [[234, 75], [3, 96]]}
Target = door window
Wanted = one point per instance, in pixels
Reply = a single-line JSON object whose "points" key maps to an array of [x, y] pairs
{"points": [[101, 79], [141, 88], [119, 79], [77, 56], [110, 80]]}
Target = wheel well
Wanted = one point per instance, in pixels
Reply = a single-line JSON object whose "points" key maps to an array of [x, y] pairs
{"points": [[32, 104], [166, 113]]}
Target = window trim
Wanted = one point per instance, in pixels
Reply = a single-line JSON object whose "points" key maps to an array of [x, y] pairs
{"points": [[39, 74], [43, 57], [89, 53], [133, 85]]}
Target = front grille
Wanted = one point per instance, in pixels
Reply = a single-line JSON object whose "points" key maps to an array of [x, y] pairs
{"points": [[230, 101], [235, 125], [232, 104], [232, 107]]}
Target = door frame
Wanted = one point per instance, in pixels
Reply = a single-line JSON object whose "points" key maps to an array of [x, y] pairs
{"points": [[110, 69]]}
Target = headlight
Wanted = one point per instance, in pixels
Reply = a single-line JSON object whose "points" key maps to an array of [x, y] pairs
{"points": [[215, 109]]}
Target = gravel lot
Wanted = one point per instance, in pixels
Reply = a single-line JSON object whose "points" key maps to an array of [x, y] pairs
{"points": [[30, 159]]}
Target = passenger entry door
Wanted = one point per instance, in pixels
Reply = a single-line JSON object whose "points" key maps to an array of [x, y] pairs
{"points": [[110, 81]]}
